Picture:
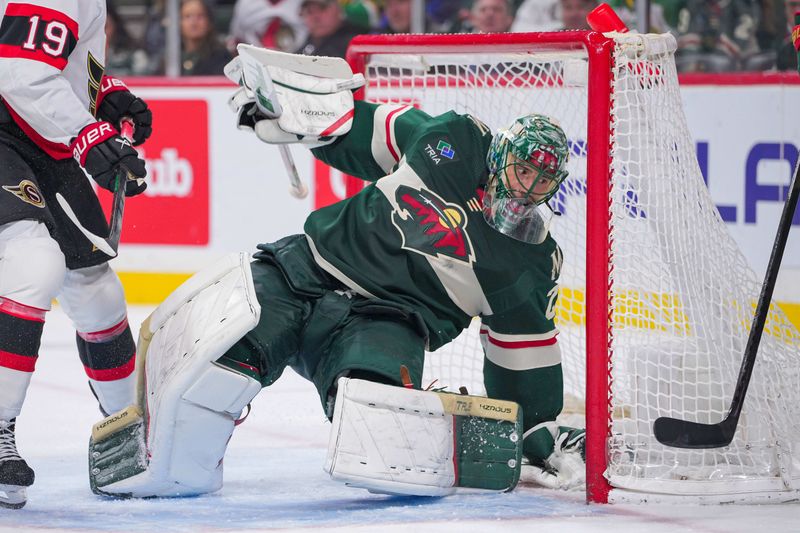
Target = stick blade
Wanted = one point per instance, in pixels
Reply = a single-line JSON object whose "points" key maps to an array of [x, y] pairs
{"points": [[693, 435], [100, 243]]}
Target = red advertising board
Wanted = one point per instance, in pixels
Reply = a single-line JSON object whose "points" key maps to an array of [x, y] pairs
{"points": [[175, 207]]}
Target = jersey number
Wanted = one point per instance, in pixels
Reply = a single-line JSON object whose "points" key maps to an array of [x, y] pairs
{"points": [[55, 33], [558, 260], [552, 294]]}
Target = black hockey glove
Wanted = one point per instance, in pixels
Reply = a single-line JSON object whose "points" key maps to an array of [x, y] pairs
{"points": [[119, 103], [101, 151]]}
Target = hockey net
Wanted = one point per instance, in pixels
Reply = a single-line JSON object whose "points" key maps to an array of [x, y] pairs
{"points": [[661, 304]]}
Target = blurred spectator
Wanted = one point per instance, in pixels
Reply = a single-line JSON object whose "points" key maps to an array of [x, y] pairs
{"points": [[202, 53], [124, 57], [491, 16], [537, 15], [771, 24], [362, 13], [329, 33], [671, 10], [439, 16], [154, 39], [720, 35], [626, 9], [396, 16], [445, 16], [786, 57], [573, 13], [272, 24]]}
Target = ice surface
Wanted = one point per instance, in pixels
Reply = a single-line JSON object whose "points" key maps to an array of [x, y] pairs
{"points": [[274, 478]]}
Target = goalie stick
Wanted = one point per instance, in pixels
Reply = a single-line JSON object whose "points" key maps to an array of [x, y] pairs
{"points": [[686, 434], [265, 91], [110, 244]]}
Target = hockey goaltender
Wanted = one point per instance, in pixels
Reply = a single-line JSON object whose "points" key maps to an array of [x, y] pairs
{"points": [[453, 225]]}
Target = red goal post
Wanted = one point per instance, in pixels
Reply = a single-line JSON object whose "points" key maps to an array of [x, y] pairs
{"points": [[642, 329], [599, 56]]}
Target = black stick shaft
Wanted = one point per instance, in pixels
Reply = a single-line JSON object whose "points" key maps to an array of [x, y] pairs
{"points": [[118, 205], [764, 300], [685, 434]]}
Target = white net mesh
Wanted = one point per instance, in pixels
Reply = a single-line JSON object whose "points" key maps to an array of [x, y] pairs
{"points": [[683, 295]]}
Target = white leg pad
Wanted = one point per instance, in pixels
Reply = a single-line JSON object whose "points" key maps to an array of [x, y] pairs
{"points": [[394, 440], [189, 403]]}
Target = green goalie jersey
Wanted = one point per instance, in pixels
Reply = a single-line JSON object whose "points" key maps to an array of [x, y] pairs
{"points": [[416, 235]]}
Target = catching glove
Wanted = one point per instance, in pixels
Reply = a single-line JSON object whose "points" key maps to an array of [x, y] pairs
{"points": [[565, 467], [101, 151]]}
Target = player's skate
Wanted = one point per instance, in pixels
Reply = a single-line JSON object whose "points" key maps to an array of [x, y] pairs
{"points": [[15, 474]]}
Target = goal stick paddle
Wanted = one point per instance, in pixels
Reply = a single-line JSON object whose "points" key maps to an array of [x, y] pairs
{"points": [[110, 244], [686, 434]]}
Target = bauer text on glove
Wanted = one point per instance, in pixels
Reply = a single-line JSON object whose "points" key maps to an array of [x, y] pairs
{"points": [[116, 102], [101, 151]]}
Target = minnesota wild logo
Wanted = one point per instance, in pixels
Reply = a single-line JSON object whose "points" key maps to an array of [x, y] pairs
{"points": [[430, 225], [28, 192]]}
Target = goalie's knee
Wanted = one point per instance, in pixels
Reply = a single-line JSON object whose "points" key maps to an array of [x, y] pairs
{"points": [[401, 441]]}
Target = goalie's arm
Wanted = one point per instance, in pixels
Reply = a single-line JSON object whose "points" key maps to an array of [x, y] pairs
{"points": [[524, 366], [377, 140]]}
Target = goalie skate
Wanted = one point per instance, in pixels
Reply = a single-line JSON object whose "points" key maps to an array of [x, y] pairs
{"points": [[15, 474]]}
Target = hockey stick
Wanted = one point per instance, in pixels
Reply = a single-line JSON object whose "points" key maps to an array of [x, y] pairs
{"points": [[298, 189], [265, 91], [685, 434], [110, 244]]}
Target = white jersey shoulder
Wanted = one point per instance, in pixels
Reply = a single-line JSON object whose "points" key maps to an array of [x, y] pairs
{"points": [[56, 51]]}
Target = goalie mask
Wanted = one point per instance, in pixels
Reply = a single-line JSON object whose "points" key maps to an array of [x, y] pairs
{"points": [[527, 164]]}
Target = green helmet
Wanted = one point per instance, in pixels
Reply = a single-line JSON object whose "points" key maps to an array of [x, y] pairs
{"points": [[536, 143], [527, 164]]}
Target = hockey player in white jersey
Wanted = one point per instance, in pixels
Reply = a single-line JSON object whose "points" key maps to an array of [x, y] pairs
{"points": [[59, 117]]}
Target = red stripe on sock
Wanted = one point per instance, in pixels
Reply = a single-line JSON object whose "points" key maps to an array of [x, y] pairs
{"points": [[112, 374], [106, 334], [23, 363], [22, 311], [519, 344]]}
